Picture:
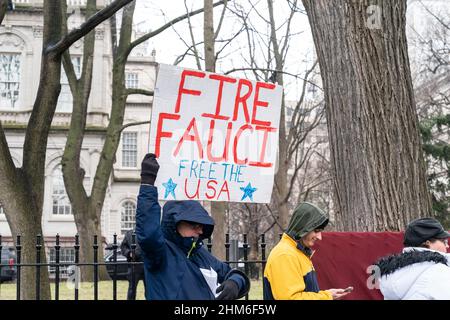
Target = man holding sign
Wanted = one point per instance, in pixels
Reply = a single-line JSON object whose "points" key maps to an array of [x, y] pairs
{"points": [[177, 266], [216, 138]]}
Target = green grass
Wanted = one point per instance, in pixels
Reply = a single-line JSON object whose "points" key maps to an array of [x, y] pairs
{"points": [[105, 291]]}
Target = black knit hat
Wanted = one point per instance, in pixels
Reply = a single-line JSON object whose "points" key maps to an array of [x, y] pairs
{"points": [[423, 229]]}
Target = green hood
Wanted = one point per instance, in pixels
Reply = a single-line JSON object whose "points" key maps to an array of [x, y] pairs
{"points": [[306, 218]]}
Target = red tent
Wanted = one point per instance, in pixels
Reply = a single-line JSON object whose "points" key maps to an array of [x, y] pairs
{"points": [[341, 259]]}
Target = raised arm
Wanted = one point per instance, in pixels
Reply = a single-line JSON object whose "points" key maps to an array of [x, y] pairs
{"points": [[148, 213]]}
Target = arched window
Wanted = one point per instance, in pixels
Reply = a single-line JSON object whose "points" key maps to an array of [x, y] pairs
{"points": [[128, 216], [61, 203], [9, 79], [65, 99]]}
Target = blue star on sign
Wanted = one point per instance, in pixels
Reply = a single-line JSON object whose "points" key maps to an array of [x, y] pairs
{"points": [[248, 191], [170, 188]]}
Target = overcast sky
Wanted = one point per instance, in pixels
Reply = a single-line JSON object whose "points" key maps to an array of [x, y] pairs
{"points": [[151, 14]]}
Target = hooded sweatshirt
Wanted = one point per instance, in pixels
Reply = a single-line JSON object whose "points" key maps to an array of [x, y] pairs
{"points": [[289, 272], [176, 267], [415, 274]]}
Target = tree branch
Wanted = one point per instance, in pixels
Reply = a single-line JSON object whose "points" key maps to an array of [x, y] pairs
{"points": [[167, 25], [133, 124], [191, 33], [139, 91], [87, 26], [275, 219], [3, 8], [435, 16], [273, 70], [216, 34]]}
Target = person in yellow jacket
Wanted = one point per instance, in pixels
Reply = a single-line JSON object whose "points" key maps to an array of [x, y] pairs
{"points": [[289, 272]]}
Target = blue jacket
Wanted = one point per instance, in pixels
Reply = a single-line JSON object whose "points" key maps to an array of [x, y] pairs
{"points": [[172, 263]]}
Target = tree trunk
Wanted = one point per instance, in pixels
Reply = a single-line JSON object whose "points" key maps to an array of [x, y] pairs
{"points": [[86, 218], [281, 176], [379, 171], [253, 236], [3, 8], [88, 226], [217, 208], [26, 222], [218, 214], [22, 190]]}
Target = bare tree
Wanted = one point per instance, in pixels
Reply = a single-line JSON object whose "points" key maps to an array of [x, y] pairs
{"points": [[87, 208], [430, 48], [376, 153], [274, 47], [22, 189]]}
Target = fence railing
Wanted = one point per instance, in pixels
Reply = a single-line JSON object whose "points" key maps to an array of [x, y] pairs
{"points": [[13, 264]]}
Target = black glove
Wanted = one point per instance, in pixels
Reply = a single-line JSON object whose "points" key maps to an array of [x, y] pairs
{"points": [[229, 290], [149, 169]]}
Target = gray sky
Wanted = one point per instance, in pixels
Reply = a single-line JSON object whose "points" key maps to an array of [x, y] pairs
{"points": [[150, 14]]}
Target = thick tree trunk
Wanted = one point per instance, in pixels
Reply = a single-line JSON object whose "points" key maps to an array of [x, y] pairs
{"points": [[379, 171], [22, 190], [87, 219], [88, 226], [26, 222]]}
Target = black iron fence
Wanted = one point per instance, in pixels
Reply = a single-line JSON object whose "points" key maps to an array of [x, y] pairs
{"points": [[12, 265]]}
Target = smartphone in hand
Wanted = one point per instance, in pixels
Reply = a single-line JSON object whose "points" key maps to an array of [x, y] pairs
{"points": [[348, 289]]}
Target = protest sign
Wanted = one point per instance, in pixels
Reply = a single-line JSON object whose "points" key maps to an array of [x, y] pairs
{"points": [[215, 136]]}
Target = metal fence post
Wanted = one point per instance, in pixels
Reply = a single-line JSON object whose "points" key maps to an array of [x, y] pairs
{"points": [[227, 247], [77, 261], [95, 246], [38, 267], [209, 245], [133, 259], [263, 256], [57, 248], [245, 246], [115, 267], [18, 260]]}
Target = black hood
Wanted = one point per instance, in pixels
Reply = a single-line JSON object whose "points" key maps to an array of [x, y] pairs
{"points": [[187, 210], [392, 263]]}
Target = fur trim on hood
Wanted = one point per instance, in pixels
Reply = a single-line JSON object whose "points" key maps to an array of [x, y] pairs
{"points": [[392, 263]]}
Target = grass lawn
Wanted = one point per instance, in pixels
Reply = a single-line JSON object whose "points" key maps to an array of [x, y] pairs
{"points": [[105, 291]]}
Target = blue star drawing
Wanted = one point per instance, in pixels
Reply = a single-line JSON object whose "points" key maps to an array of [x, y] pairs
{"points": [[248, 191], [170, 188]]}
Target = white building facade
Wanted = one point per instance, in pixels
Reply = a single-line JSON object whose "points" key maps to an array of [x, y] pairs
{"points": [[20, 54]]}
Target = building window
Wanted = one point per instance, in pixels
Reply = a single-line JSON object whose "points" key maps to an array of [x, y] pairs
{"points": [[65, 100], [128, 215], [9, 79], [66, 255], [131, 80], [129, 149], [61, 203]]}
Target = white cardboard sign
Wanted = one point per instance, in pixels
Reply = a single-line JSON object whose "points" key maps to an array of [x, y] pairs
{"points": [[215, 137]]}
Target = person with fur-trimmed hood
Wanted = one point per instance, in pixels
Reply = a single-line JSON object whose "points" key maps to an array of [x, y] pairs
{"points": [[421, 271], [177, 266], [289, 272]]}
